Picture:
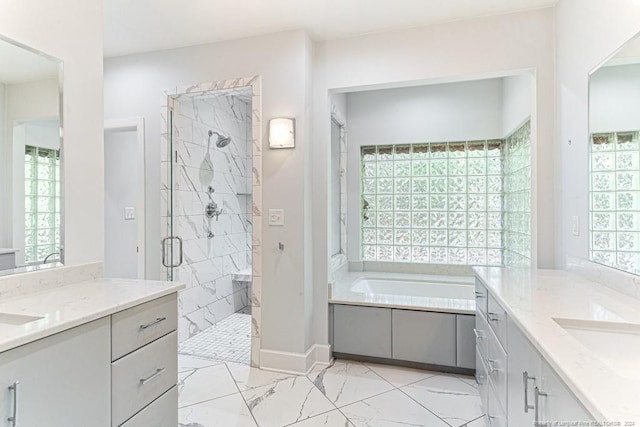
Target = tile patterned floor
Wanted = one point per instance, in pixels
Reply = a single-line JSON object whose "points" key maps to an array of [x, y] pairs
{"points": [[346, 394], [227, 340]]}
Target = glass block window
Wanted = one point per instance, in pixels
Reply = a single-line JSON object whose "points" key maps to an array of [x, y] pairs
{"points": [[615, 200], [517, 197], [433, 203], [41, 203]]}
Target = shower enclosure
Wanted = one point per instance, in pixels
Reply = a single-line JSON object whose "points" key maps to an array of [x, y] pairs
{"points": [[207, 208]]}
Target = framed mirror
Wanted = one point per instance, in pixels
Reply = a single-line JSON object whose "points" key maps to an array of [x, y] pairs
{"points": [[614, 160], [31, 166]]}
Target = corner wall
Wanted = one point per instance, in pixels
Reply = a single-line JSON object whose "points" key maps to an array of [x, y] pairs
{"points": [[587, 33], [71, 30]]}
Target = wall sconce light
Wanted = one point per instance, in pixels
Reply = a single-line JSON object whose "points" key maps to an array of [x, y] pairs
{"points": [[282, 133]]}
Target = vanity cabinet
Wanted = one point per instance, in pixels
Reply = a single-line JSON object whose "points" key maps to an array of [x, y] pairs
{"points": [[431, 338], [62, 380], [519, 388]]}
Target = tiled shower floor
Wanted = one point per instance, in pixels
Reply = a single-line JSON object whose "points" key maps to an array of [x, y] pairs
{"points": [[228, 340]]}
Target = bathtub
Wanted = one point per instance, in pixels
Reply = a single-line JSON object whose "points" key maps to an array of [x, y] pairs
{"points": [[453, 294]]}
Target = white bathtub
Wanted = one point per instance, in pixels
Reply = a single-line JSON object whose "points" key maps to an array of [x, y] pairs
{"points": [[411, 291]]}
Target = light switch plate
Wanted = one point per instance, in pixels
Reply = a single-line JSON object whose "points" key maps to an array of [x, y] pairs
{"points": [[129, 213], [276, 217]]}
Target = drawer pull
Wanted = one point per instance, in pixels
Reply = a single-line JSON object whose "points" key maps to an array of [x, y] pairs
{"points": [[158, 371], [155, 322], [537, 393], [525, 380], [479, 295], [13, 419], [479, 334], [492, 368], [494, 317]]}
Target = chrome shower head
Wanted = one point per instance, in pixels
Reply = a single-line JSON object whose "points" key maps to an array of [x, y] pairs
{"points": [[221, 142]]}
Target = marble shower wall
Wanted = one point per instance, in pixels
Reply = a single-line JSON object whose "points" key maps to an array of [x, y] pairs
{"points": [[213, 249]]}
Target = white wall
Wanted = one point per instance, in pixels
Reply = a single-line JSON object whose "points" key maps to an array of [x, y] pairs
{"points": [[71, 30], [132, 89], [435, 113], [587, 33], [517, 101], [120, 191], [614, 99], [489, 47]]}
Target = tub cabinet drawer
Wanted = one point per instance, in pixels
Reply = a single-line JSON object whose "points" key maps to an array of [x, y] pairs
{"points": [[424, 337], [497, 369], [497, 318], [465, 342], [163, 412], [140, 377], [139, 325], [481, 297], [364, 331], [482, 335]]}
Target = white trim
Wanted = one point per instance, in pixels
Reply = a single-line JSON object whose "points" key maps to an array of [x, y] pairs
{"points": [[295, 363], [137, 124]]}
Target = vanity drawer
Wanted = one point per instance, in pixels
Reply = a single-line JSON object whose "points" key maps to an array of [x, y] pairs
{"points": [[481, 297], [497, 319], [481, 332], [139, 325], [482, 379], [162, 412], [140, 377], [497, 368], [496, 416]]}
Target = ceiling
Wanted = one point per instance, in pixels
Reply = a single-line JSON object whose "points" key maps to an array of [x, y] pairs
{"points": [[134, 26]]}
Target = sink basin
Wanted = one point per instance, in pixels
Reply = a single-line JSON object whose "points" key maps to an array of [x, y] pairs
{"points": [[617, 345], [17, 319]]}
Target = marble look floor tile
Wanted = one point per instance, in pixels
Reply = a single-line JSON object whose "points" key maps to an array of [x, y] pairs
{"points": [[329, 419], [204, 384], [449, 398], [346, 382], [225, 411], [247, 377], [391, 409], [286, 402], [400, 376], [189, 363], [468, 379]]}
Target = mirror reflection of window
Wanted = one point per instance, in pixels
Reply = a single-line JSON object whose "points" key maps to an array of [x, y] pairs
{"points": [[614, 161]]}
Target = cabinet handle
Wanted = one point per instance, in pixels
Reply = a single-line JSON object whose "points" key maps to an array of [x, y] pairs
{"points": [[537, 394], [492, 368], [158, 371], [493, 317], [155, 322], [479, 295], [13, 419], [479, 334], [525, 380]]}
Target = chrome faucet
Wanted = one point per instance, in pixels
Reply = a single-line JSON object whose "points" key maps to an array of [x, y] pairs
{"points": [[49, 256]]}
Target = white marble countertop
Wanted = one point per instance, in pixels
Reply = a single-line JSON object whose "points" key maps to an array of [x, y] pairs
{"points": [[64, 307], [341, 293], [533, 298]]}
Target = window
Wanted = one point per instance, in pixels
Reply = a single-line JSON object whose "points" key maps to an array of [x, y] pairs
{"points": [[615, 200], [42, 203], [433, 203]]}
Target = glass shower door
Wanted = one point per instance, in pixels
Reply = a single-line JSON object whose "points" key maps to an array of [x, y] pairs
{"points": [[172, 245]]}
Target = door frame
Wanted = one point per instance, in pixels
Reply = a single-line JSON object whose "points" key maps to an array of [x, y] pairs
{"points": [[136, 124]]}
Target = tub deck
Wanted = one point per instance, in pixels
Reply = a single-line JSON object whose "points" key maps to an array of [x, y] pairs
{"points": [[445, 294]]}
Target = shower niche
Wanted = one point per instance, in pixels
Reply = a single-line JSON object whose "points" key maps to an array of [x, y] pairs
{"points": [[207, 215]]}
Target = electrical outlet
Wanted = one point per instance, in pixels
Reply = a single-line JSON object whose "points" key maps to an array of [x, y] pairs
{"points": [[575, 225], [276, 217], [129, 213]]}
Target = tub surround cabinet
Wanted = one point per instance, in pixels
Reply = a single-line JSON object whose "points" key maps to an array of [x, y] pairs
{"points": [[104, 354], [517, 385], [421, 337]]}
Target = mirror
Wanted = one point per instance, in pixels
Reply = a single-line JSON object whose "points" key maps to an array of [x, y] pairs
{"points": [[31, 217], [614, 160]]}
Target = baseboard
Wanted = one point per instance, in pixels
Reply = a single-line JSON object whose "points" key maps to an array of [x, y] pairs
{"points": [[295, 363]]}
